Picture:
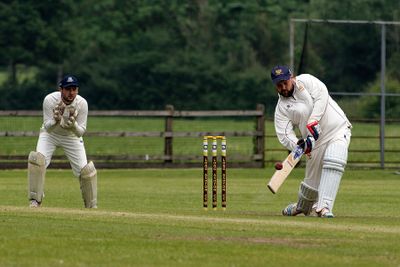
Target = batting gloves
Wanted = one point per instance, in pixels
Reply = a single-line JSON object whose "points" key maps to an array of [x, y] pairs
{"points": [[314, 129], [307, 144]]}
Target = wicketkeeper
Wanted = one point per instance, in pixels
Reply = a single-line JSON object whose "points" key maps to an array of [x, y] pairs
{"points": [[325, 131], [64, 123]]}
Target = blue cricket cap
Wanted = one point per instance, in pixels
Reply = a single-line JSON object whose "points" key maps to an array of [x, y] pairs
{"points": [[280, 73], [69, 81]]}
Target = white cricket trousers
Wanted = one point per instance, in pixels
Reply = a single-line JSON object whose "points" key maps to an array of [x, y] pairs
{"points": [[315, 163], [73, 147]]}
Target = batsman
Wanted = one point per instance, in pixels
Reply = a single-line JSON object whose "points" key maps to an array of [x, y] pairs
{"points": [[304, 103], [64, 123]]}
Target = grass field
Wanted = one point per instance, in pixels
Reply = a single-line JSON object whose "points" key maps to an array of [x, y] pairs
{"points": [[154, 218]]}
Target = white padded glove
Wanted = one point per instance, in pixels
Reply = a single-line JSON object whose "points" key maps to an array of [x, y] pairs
{"points": [[68, 120], [58, 111]]}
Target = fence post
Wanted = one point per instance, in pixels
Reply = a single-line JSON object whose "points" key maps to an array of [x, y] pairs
{"points": [[260, 138], [168, 134]]}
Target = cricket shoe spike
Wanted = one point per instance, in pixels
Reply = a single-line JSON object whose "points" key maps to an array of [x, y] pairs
{"points": [[291, 210], [325, 213], [34, 204]]}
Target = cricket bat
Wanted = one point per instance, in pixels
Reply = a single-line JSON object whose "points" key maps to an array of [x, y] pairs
{"points": [[287, 166]]}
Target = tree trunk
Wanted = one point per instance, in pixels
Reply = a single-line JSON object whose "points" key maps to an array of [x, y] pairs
{"points": [[13, 72]]}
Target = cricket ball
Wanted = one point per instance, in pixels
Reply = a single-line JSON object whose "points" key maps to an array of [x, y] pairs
{"points": [[278, 166]]}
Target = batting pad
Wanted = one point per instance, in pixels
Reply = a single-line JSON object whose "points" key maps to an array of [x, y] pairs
{"points": [[36, 175], [307, 197], [335, 160], [88, 181]]}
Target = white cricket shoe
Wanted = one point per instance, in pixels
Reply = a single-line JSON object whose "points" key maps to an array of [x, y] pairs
{"points": [[325, 213], [34, 204], [291, 210]]}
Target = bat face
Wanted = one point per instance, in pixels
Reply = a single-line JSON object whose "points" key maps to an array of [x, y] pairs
{"points": [[288, 164]]}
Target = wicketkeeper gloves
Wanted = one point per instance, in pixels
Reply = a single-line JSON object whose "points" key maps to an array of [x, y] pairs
{"points": [[58, 111], [69, 121]]}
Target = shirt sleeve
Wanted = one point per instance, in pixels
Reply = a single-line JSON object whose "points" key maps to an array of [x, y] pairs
{"points": [[319, 94], [284, 130], [81, 119], [48, 120]]}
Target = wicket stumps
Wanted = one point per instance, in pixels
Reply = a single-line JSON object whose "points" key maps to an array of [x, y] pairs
{"points": [[214, 165]]}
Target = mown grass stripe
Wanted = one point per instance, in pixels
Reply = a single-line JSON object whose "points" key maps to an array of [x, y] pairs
{"points": [[206, 218]]}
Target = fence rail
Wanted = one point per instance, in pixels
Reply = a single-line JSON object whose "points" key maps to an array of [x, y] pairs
{"points": [[168, 159], [148, 113]]}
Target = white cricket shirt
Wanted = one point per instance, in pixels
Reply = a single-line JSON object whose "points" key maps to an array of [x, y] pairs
{"points": [[49, 124], [310, 101]]}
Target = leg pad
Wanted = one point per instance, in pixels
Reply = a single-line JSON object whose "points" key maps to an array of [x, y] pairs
{"points": [[334, 163], [88, 182], [36, 176], [307, 197]]}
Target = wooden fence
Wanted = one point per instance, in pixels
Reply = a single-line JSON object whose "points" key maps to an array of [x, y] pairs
{"points": [[167, 160]]}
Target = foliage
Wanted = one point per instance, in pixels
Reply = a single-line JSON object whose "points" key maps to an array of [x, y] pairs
{"points": [[370, 107], [203, 54]]}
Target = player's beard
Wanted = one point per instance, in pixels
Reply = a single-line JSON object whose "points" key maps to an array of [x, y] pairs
{"points": [[67, 101], [287, 93]]}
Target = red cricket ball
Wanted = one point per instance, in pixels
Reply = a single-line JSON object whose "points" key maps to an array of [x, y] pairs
{"points": [[278, 166]]}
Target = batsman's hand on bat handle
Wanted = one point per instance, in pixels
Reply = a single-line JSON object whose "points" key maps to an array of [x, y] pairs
{"points": [[307, 144], [314, 129]]}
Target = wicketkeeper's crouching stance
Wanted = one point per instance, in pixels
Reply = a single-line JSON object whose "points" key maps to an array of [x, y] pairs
{"points": [[64, 123], [325, 131]]}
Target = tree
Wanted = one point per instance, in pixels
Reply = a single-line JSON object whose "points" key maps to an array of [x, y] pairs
{"points": [[20, 32]]}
